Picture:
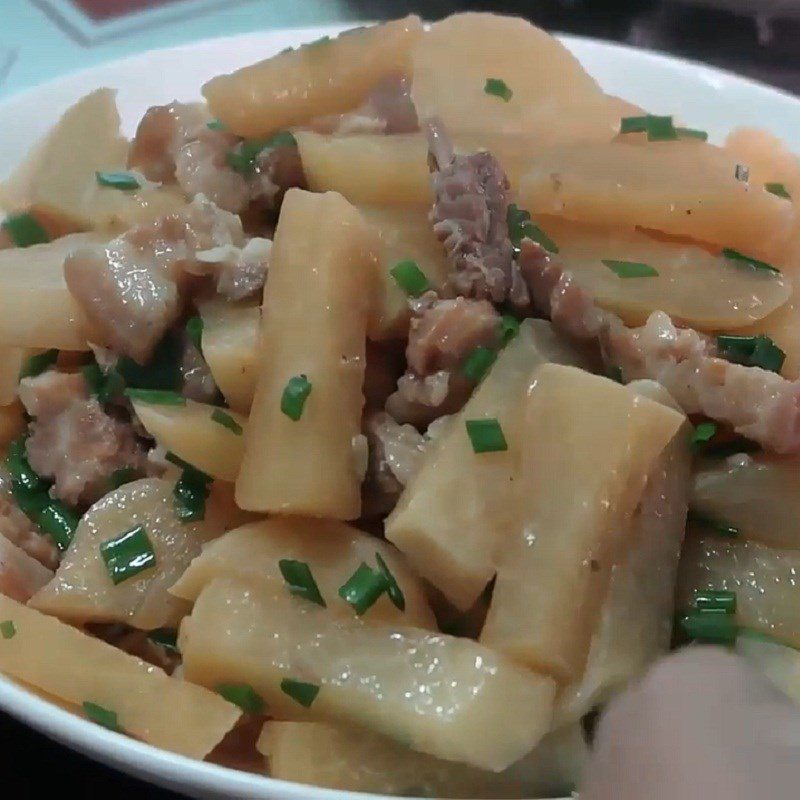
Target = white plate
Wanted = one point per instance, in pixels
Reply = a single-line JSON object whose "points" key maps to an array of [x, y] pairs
{"points": [[702, 97]]}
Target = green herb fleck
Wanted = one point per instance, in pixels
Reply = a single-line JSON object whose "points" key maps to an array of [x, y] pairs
{"points": [[244, 696], [227, 421], [190, 493], [393, 589], [708, 628], [753, 263], [410, 278], [717, 526], [478, 363], [128, 554], [716, 601], [216, 125], [300, 580], [509, 328], [303, 693], [101, 716], [37, 364], [294, 396], [7, 629], [194, 330], [778, 189], [520, 227], [156, 397], [363, 588], [124, 181], [703, 433], [630, 269], [498, 88], [658, 129], [60, 521], [486, 435], [751, 351], [119, 477], [25, 230], [244, 157], [692, 133]]}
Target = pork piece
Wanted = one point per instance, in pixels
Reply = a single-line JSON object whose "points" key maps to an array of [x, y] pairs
{"points": [[441, 336], [198, 382], [130, 289], [276, 170], [240, 272], [756, 403], [72, 440]]}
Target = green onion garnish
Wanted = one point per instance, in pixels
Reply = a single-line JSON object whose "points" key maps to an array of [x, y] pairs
{"points": [[692, 133], [24, 230], [703, 433], [410, 278], [216, 125], [709, 628], [162, 371], [294, 396], [101, 716], [486, 435], [37, 364], [716, 602], [753, 263], [119, 477], [778, 189], [751, 351], [19, 467], [128, 554], [227, 421], [244, 696], [300, 580], [478, 363], [159, 397], [190, 493], [498, 88], [630, 269], [520, 227], [363, 588], [243, 158], [7, 629], [60, 521], [509, 328], [393, 589], [124, 181], [303, 693], [166, 638], [717, 526], [104, 386], [658, 129], [194, 330]]}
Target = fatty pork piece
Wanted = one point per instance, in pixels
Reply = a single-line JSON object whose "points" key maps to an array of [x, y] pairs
{"points": [[73, 441], [442, 335], [755, 402], [174, 143], [131, 288]]}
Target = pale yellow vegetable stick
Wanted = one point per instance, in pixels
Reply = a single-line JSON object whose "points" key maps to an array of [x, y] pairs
{"points": [[457, 508], [779, 663], [405, 232], [77, 668], [331, 549], [436, 693], [309, 465], [82, 591], [191, 433], [20, 574], [36, 308], [368, 168], [349, 759], [683, 191], [11, 361], [586, 444], [229, 345], [322, 77]]}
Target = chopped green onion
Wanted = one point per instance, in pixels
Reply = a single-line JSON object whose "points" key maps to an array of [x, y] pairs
{"points": [[37, 364], [363, 588], [294, 396], [177, 461], [243, 159], [709, 628], [703, 433], [393, 590], [778, 189], [478, 363], [634, 124], [194, 330], [227, 421], [716, 602], [7, 629], [410, 278], [24, 230], [101, 716], [119, 477], [128, 554], [20, 469], [498, 88], [692, 133], [753, 263], [60, 521], [752, 351], [190, 493], [156, 397], [630, 269], [300, 580], [244, 696], [717, 526], [658, 129], [166, 638], [216, 125], [520, 227], [486, 435], [124, 181], [303, 693], [104, 386], [509, 328], [162, 371]]}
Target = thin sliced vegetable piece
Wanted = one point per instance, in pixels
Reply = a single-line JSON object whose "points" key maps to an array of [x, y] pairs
{"points": [[21, 576], [779, 663]]}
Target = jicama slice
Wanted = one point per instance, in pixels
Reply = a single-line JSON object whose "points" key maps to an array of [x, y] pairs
{"points": [[36, 308], [332, 550], [20, 575], [348, 759], [757, 495], [323, 77], [300, 442], [11, 360], [586, 445], [82, 589], [779, 663], [405, 232], [636, 618], [368, 169], [435, 693], [229, 344], [764, 579], [683, 191], [696, 288], [192, 433], [64, 662], [457, 508]]}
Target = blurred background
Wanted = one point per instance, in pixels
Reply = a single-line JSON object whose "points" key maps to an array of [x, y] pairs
{"points": [[41, 39]]}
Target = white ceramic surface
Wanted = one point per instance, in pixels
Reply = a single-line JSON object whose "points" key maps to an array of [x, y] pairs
{"points": [[700, 96]]}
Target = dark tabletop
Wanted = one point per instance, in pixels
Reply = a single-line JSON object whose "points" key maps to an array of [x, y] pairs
{"points": [[741, 44]]}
